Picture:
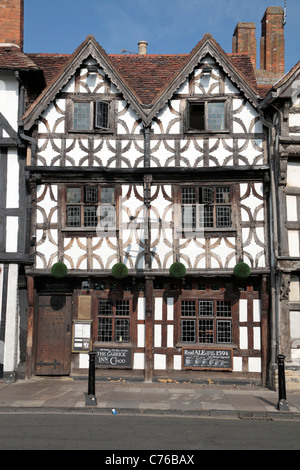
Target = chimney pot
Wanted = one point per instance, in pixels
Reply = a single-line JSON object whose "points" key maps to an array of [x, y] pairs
{"points": [[142, 47]]}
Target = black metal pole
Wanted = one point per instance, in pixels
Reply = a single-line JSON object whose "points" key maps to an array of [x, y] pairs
{"points": [[91, 396], [282, 401]]}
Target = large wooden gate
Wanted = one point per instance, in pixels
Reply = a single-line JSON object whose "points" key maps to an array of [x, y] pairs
{"points": [[53, 352]]}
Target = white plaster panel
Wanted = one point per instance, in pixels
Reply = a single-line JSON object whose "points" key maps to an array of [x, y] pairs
{"points": [[254, 364], [141, 308], [12, 320], [243, 310], [237, 364], [160, 361], [256, 337], [243, 337], [9, 98], [291, 208], [158, 308], [295, 325], [293, 174], [12, 227], [157, 336], [293, 242], [138, 361], [170, 308], [177, 362], [294, 294], [170, 336], [12, 191], [257, 310], [141, 336]]}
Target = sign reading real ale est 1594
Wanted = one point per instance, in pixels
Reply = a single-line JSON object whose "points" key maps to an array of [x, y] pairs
{"points": [[207, 358]]}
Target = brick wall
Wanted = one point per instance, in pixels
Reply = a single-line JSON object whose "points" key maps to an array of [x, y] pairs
{"points": [[244, 40], [272, 41], [11, 22]]}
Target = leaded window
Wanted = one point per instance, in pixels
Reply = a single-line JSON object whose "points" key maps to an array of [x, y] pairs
{"points": [[114, 321], [206, 321]]}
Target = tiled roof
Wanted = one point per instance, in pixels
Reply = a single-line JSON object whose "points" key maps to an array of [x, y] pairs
{"points": [[12, 58], [147, 75], [51, 64]]}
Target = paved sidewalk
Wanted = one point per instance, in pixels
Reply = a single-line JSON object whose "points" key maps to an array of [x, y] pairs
{"points": [[68, 395]]}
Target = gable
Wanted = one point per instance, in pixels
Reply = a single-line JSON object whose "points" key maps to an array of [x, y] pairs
{"points": [[8, 136], [147, 82]]}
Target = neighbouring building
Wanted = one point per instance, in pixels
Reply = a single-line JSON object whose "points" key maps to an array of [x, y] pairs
{"points": [[149, 228]]}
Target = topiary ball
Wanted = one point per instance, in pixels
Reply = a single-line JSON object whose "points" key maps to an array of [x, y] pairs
{"points": [[177, 270], [119, 271], [242, 270], [59, 270]]}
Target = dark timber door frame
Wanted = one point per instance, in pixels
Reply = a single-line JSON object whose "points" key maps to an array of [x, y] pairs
{"points": [[53, 335]]}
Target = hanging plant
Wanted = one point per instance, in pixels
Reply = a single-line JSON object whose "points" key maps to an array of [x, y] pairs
{"points": [[177, 270], [241, 270], [59, 270], [119, 271]]}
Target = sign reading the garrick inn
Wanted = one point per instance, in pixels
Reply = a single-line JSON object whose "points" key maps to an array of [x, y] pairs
{"points": [[207, 358], [113, 357]]}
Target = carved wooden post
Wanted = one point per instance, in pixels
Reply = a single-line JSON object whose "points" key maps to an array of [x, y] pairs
{"points": [[149, 329]]}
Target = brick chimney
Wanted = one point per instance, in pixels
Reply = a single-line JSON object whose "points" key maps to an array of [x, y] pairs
{"points": [[244, 41], [272, 41], [12, 22]]}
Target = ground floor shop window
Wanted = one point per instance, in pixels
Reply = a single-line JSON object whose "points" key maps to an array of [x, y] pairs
{"points": [[206, 321], [114, 321]]}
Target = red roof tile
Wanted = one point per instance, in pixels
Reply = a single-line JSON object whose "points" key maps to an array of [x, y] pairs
{"points": [[12, 58]]}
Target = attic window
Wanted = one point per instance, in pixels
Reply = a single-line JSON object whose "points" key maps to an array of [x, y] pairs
{"points": [[205, 116], [89, 116]]}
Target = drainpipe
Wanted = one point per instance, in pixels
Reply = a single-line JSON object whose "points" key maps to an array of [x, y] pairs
{"points": [[274, 252], [21, 111]]}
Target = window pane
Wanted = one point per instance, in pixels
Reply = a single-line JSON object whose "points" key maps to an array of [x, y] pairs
{"points": [[206, 216], [196, 116], [216, 117], [73, 195], [206, 308], [90, 194], [188, 196], [102, 115], [105, 307], [122, 330], [223, 216], [82, 116], [107, 216], [108, 195], [189, 216], [206, 331], [223, 308], [223, 331], [223, 195], [122, 307], [73, 216], [105, 329], [188, 308], [90, 216], [188, 330]]}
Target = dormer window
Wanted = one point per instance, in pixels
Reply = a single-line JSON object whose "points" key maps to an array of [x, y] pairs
{"points": [[91, 116], [206, 116]]}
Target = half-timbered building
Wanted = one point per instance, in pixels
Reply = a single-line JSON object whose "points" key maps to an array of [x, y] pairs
{"points": [[148, 235], [157, 165], [281, 109]]}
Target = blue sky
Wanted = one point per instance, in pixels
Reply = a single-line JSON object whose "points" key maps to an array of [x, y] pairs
{"points": [[169, 26]]}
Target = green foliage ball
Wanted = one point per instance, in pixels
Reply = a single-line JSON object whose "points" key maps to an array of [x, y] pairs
{"points": [[177, 270], [59, 270], [242, 270], [119, 271]]}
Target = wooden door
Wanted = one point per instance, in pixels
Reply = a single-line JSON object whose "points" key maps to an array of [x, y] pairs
{"points": [[53, 353]]}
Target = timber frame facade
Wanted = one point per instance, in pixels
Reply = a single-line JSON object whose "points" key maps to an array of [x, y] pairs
{"points": [[180, 177], [148, 225]]}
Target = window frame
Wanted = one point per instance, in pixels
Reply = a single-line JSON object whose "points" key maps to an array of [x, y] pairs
{"points": [[212, 319], [83, 204], [214, 205], [94, 101], [205, 101], [114, 317]]}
